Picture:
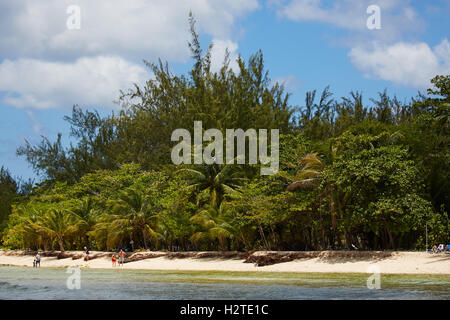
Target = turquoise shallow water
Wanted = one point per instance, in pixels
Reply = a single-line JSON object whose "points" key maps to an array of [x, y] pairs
{"points": [[28, 283]]}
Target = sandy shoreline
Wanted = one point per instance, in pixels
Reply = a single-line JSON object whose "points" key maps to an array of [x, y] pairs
{"points": [[394, 263]]}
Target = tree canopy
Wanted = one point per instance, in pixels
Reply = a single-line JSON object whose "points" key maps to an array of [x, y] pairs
{"points": [[373, 175]]}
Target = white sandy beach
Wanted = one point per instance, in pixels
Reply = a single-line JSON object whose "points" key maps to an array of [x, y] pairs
{"points": [[398, 263]]}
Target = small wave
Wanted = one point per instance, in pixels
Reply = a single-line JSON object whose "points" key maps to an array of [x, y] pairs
{"points": [[11, 286]]}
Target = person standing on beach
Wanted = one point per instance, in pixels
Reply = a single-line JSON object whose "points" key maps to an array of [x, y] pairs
{"points": [[121, 257], [38, 260], [86, 250]]}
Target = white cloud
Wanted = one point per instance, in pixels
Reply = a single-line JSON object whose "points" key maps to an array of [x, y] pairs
{"points": [[46, 65], [290, 82], [313, 10], [391, 53], [396, 15], [87, 81], [218, 54], [37, 126], [135, 29], [407, 64]]}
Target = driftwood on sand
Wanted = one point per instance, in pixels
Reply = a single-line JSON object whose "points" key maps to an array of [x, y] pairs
{"points": [[208, 254], [132, 257], [258, 258], [265, 258]]}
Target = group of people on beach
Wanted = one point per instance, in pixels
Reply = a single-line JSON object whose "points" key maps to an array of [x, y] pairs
{"points": [[37, 261], [440, 248], [120, 257]]}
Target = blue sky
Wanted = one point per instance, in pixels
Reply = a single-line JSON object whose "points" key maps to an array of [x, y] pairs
{"points": [[46, 68]]}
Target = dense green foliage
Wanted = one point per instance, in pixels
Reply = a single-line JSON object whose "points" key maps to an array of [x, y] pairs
{"points": [[374, 177], [8, 192]]}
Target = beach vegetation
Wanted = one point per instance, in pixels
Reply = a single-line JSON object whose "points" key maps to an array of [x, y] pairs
{"points": [[359, 173]]}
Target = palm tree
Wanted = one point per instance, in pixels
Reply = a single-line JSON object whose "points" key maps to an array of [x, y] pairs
{"points": [[85, 217], [308, 177], [214, 181], [28, 227], [58, 223], [134, 212], [213, 224]]}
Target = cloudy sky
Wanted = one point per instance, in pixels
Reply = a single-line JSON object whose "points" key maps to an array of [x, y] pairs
{"points": [[47, 65]]}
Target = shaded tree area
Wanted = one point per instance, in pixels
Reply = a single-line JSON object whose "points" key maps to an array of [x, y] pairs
{"points": [[8, 193], [12, 190], [371, 175]]}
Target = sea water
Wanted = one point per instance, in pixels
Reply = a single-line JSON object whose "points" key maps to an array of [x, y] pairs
{"points": [[52, 283]]}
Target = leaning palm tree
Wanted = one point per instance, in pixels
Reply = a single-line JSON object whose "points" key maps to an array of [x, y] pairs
{"points": [[58, 223], [134, 213], [85, 216], [214, 181], [213, 225], [102, 232], [28, 227], [308, 176]]}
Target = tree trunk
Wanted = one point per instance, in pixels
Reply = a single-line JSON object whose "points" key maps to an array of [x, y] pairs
{"points": [[144, 234], [391, 240], [322, 229], [261, 232], [274, 237], [333, 219], [61, 245], [348, 238]]}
